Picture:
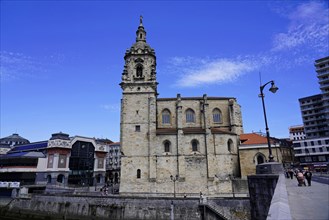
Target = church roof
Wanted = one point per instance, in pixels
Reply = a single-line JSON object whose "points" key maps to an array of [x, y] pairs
{"points": [[252, 138]]}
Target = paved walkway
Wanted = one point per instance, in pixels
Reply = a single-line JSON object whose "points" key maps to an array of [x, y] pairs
{"points": [[308, 202]]}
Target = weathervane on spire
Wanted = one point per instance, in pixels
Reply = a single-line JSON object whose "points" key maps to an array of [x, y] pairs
{"points": [[141, 20]]}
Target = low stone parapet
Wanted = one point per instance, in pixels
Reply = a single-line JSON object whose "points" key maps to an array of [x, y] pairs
{"points": [[279, 208]]}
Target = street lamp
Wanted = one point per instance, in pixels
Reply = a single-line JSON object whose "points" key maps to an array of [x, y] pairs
{"points": [[273, 89], [174, 179]]}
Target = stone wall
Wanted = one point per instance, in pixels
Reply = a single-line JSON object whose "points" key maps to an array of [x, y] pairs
{"points": [[261, 190], [128, 208]]}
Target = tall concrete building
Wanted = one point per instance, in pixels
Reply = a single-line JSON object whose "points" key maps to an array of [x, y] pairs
{"points": [[322, 69], [173, 146], [315, 123], [313, 152], [315, 108]]}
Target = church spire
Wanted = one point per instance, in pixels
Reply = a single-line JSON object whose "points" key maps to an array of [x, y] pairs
{"points": [[141, 20], [141, 33]]}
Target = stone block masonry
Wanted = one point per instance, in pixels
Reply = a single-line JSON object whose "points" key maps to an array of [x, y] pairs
{"points": [[115, 207]]}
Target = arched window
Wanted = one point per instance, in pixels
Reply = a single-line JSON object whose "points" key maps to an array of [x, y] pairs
{"points": [[138, 174], [230, 145], [165, 116], [259, 158], [166, 146], [60, 178], [139, 71], [216, 116], [195, 144], [190, 116]]}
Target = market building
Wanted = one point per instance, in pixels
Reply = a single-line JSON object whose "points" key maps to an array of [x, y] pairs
{"points": [[61, 160]]}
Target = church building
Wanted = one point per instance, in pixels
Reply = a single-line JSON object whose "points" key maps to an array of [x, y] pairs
{"points": [[173, 146]]}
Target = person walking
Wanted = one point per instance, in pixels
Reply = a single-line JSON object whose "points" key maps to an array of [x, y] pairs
{"points": [[300, 178], [308, 176], [291, 173]]}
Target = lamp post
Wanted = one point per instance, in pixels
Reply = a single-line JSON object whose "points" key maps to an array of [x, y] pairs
{"points": [[273, 89], [174, 179]]}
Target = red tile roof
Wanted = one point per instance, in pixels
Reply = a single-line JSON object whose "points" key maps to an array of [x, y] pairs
{"points": [[252, 138]]}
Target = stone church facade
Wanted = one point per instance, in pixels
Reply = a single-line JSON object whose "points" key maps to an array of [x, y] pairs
{"points": [[173, 146]]}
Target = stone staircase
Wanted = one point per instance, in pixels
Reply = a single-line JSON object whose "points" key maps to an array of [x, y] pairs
{"points": [[214, 208]]}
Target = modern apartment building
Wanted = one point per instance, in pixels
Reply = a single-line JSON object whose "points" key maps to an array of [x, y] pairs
{"points": [[315, 123], [313, 152], [322, 69], [296, 132]]}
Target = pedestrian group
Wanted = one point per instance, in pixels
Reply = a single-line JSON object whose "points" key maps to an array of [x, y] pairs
{"points": [[300, 175]]}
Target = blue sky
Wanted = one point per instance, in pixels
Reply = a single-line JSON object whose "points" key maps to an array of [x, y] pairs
{"points": [[61, 61]]}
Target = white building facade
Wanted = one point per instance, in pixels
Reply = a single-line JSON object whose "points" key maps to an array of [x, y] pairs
{"points": [[296, 132]]}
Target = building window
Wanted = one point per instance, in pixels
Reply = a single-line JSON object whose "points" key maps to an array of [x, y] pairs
{"points": [[190, 116], [166, 116], [100, 163], [62, 161], [137, 128], [260, 159], [50, 161], [216, 115], [229, 145], [139, 71], [138, 174], [166, 146], [322, 158], [308, 159], [194, 145]]}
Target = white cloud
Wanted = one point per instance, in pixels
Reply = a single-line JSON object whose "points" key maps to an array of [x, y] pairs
{"points": [[307, 30], [308, 27], [111, 107], [199, 72], [14, 66]]}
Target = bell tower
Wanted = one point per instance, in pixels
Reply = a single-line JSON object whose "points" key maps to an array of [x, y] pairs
{"points": [[139, 75], [138, 114]]}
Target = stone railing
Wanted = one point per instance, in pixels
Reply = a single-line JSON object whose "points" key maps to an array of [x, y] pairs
{"points": [[279, 208]]}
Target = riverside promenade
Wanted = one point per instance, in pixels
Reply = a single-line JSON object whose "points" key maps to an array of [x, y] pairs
{"points": [[308, 202]]}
